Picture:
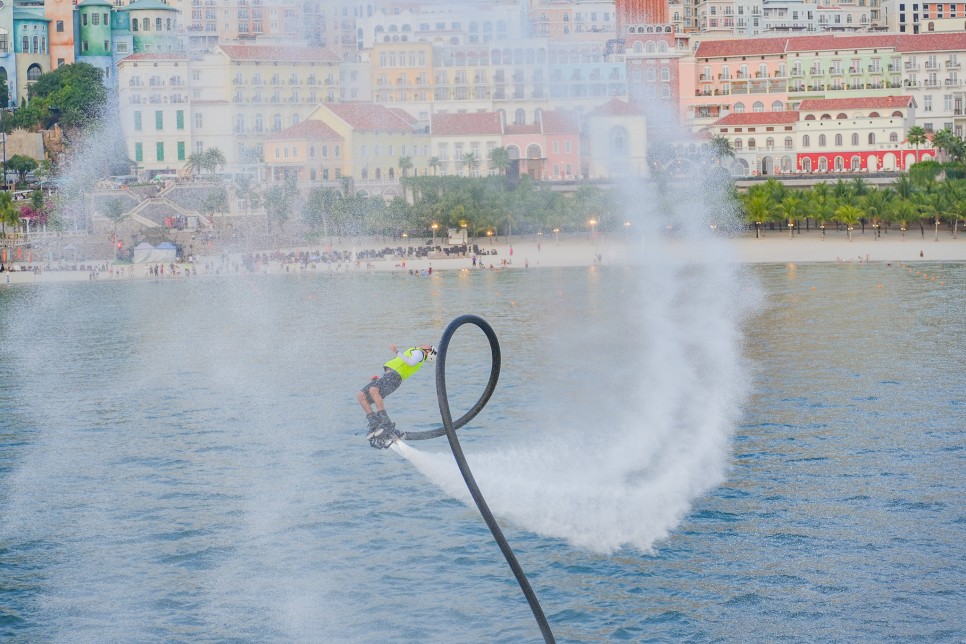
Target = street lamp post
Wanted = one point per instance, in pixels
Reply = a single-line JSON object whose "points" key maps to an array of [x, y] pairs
{"points": [[434, 227], [489, 234], [556, 236], [593, 232]]}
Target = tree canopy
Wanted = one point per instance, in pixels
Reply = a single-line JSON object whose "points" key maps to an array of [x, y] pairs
{"points": [[72, 96]]}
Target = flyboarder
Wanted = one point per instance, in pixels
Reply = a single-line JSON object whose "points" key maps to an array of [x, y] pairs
{"points": [[402, 366]]}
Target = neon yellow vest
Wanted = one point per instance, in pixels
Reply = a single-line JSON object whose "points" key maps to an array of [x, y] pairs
{"points": [[399, 365]]}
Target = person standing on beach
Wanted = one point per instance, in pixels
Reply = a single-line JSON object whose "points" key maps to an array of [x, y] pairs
{"points": [[402, 366]]}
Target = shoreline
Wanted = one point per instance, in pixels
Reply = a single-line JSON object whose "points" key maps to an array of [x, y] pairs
{"points": [[774, 247]]}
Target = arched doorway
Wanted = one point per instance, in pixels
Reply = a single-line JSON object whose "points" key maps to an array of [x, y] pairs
{"points": [[513, 153], [767, 165], [535, 161]]}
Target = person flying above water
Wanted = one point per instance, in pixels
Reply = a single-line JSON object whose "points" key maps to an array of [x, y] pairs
{"points": [[401, 367]]}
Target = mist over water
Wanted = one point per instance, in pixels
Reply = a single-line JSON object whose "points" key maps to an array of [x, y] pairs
{"points": [[664, 381]]}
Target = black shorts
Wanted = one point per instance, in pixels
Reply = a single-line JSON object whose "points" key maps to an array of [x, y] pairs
{"points": [[388, 383]]}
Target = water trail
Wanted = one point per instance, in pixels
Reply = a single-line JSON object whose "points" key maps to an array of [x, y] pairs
{"points": [[625, 472]]}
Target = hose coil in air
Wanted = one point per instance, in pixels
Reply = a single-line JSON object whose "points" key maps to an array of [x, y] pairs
{"points": [[449, 428]]}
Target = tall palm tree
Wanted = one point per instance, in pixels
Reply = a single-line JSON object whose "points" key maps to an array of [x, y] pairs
{"points": [[875, 203], [434, 164], [472, 162], [790, 207], [759, 209], [9, 214], [500, 160], [721, 147], [212, 159], [405, 165], [849, 215], [916, 136], [195, 162]]}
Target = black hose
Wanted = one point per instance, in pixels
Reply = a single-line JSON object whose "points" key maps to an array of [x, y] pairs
{"points": [[450, 427]]}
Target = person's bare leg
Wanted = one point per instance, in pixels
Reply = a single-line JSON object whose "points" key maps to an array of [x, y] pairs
{"points": [[377, 398], [366, 407]]}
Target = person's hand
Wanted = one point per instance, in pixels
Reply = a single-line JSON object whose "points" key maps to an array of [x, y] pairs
{"points": [[393, 348]]}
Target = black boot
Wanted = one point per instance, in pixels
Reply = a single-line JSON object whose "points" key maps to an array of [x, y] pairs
{"points": [[375, 425]]}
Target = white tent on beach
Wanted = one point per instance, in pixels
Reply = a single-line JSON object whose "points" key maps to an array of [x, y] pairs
{"points": [[145, 253]]}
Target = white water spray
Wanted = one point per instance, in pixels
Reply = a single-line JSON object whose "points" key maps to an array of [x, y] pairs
{"points": [[630, 476]]}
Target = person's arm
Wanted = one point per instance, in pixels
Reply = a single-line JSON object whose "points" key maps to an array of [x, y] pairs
{"points": [[411, 360]]}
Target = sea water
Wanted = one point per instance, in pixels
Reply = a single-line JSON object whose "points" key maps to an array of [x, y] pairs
{"points": [[183, 460]]}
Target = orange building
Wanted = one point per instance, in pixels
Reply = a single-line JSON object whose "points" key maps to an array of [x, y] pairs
{"points": [[636, 12], [61, 31]]}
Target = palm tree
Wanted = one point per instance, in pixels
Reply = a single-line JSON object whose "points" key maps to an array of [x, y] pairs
{"points": [[212, 159], [405, 165], [500, 160], [721, 147], [876, 203], [916, 136], [472, 163], [790, 208], [434, 163], [904, 187], [9, 214], [759, 209], [195, 162], [849, 215]]}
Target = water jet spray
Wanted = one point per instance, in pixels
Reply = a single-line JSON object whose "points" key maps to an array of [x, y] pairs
{"points": [[449, 428]]}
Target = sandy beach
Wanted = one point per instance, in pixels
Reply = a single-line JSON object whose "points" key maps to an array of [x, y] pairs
{"points": [[532, 253]]}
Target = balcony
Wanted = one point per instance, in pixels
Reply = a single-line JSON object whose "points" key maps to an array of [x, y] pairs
{"points": [[952, 64]]}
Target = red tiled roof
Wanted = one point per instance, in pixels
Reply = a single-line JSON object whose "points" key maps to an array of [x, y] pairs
{"points": [[827, 42], [742, 47], [869, 102], [369, 116], [403, 114], [311, 129], [558, 122], [831, 42], [136, 57], [932, 42], [615, 107], [279, 54], [757, 118], [466, 123]]}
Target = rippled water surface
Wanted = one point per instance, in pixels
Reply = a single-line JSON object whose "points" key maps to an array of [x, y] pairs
{"points": [[183, 460]]}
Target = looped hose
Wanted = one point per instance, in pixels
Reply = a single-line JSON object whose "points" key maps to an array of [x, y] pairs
{"points": [[450, 427]]}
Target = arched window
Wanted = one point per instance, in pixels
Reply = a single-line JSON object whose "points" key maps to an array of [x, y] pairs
{"points": [[665, 74], [650, 75], [134, 25], [826, 117], [777, 106], [871, 138], [739, 108], [823, 164], [638, 47], [533, 151], [25, 45], [661, 47], [806, 165], [806, 141], [167, 25], [146, 24], [855, 138], [725, 72], [855, 163], [789, 143], [809, 117], [751, 144], [649, 46], [763, 71], [743, 71], [259, 123], [665, 91], [822, 142], [520, 117], [738, 144], [873, 115], [769, 143], [893, 137], [839, 163], [758, 107], [158, 24], [841, 116], [897, 114], [277, 123], [378, 174], [838, 140], [240, 123], [36, 45]]}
